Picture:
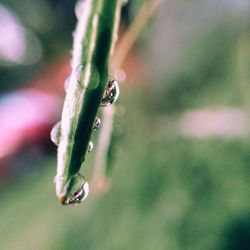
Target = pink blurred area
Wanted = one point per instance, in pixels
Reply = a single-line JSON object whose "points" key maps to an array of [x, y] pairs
{"points": [[28, 114]]}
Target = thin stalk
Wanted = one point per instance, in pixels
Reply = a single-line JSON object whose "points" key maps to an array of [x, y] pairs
{"points": [[134, 31], [100, 180]]}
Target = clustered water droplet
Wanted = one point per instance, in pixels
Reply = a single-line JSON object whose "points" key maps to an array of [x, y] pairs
{"points": [[111, 93], [90, 146], [97, 123], [78, 72], [55, 133]]}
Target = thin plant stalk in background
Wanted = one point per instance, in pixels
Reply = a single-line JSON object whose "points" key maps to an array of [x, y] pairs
{"points": [[100, 180]]}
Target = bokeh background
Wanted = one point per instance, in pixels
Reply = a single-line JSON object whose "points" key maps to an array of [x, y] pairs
{"points": [[181, 167]]}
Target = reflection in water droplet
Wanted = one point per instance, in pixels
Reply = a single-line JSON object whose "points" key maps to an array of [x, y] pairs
{"points": [[90, 146], [55, 133], [79, 196], [97, 123], [111, 93]]}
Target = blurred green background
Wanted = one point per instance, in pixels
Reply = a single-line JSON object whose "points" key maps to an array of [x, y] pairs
{"points": [[182, 168]]}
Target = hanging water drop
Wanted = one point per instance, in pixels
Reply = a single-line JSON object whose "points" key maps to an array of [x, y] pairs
{"points": [[55, 133], [111, 93], [97, 123], [90, 146], [79, 196]]}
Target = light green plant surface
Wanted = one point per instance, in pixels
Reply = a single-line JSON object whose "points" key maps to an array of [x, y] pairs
{"points": [[167, 193], [94, 39]]}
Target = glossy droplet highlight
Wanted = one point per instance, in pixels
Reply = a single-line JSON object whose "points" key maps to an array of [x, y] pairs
{"points": [[90, 146], [79, 196], [55, 133], [97, 123], [111, 93]]}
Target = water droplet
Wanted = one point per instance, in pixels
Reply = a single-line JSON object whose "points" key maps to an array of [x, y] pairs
{"points": [[111, 93], [78, 73], [97, 123], [90, 146], [124, 2], [55, 133], [79, 9], [79, 196]]}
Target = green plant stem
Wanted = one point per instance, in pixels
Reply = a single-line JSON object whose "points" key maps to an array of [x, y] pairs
{"points": [[93, 42]]}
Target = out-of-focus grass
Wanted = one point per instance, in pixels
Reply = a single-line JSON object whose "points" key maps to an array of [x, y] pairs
{"points": [[168, 193]]}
